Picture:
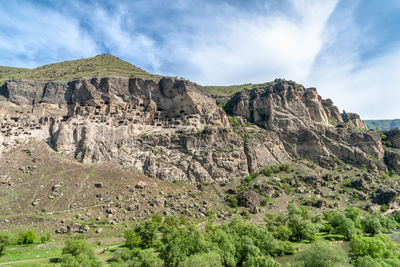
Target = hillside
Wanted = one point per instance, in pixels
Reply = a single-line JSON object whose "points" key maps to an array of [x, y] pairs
{"points": [[99, 66], [383, 124], [95, 156]]}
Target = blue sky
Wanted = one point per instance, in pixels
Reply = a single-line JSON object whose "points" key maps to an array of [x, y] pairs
{"points": [[349, 50]]}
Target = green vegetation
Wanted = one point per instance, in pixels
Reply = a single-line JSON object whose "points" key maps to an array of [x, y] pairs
{"points": [[92, 172], [78, 253], [321, 254], [27, 237], [98, 66], [382, 124], [230, 90], [172, 241]]}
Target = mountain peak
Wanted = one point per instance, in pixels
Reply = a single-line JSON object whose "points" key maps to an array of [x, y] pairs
{"points": [[104, 65]]}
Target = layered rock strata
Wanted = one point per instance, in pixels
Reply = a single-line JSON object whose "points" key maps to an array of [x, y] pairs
{"points": [[173, 130]]}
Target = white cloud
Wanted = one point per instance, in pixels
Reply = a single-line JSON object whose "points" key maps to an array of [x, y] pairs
{"points": [[213, 42], [368, 88], [238, 48], [33, 36]]}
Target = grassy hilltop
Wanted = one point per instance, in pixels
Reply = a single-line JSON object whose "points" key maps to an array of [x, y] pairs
{"points": [[98, 66]]}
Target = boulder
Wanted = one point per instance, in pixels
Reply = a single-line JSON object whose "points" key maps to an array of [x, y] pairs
{"points": [[250, 199], [141, 185]]}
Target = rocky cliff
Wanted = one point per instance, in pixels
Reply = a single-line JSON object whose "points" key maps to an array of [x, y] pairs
{"points": [[173, 130]]}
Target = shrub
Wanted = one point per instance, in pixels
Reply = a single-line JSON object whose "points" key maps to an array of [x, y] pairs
{"points": [[45, 238], [78, 253], [5, 239], [282, 233], [284, 167], [321, 254], [209, 259], [28, 237], [260, 260], [136, 258], [384, 208], [267, 171], [375, 247], [371, 225], [388, 223], [234, 203], [368, 261]]}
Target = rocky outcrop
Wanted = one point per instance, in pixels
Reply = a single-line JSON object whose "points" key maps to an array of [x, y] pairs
{"points": [[173, 130], [393, 136], [387, 197], [303, 121], [354, 120]]}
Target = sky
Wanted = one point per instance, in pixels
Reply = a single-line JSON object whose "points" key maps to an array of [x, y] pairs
{"points": [[348, 49]]}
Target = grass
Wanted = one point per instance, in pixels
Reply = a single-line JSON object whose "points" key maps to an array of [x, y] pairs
{"points": [[25, 255], [98, 66], [92, 172], [230, 90]]}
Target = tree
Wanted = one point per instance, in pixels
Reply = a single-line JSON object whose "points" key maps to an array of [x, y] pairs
{"points": [[182, 243], [371, 225], [321, 254], [132, 239], [347, 228], [354, 214], [77, 253]]}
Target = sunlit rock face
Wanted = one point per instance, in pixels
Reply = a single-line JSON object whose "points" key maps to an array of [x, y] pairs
{"points": [[173, 130]]}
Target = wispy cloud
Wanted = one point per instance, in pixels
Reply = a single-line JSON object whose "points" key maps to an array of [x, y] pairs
{"points": [[34, 35], [326, 44]]}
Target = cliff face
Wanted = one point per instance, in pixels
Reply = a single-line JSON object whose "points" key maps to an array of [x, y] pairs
{"points": [[172, 129], [308, 126]]}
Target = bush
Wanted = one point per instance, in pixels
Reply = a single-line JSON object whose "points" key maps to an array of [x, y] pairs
{"points": [[336, 219], [282, 233], [45, 238], [28, 237], [368, 261], [375, 247], [136, 258], [284, 167], [371, 225], [5, 239], [267, 171], [209, 259], [234, 203], [77, 253], [321, 254], [260, 261], [388, 223]]}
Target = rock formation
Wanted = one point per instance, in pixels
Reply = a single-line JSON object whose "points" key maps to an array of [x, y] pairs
{"points": [[173, 130]]}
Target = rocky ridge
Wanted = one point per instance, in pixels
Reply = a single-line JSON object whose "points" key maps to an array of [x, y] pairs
{"points": [[173, 129]]}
